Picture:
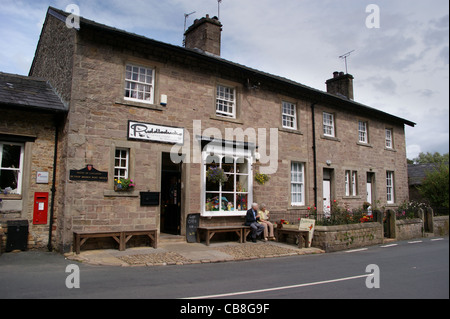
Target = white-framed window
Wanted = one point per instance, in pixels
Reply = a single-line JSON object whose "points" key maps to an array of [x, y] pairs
{"points": [[11, 167], [362, 132], [389, 143], [297, 184], [390, 187], [139, 84], [121, 163], [289, 115], [351, 188], [354, 183], [347, 183], [328, 124], [226, 101], [235, 196]]}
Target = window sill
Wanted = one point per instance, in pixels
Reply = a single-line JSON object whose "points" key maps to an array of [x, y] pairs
{"points": [[290, 130], [390, 149], [364, 144], [299, 207], [225, 119], [330, 138], [224, 214], [111, 193], [141, 105], [352, 197], [10, 197]]}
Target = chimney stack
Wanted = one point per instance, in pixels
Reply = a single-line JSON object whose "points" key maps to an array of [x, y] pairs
{"points": [[341, 85], [204, 34]]}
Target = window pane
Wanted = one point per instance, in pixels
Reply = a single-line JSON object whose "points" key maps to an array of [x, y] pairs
{"points": [[11, 156], [228, 186], [9, 181], [212, 202], [241, 202]]}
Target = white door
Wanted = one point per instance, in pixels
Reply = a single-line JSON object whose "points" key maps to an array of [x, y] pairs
{"points": [[369, 191], [327, 198]]}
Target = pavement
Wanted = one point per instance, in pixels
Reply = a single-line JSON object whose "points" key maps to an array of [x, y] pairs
{"points": [[182, 253]]}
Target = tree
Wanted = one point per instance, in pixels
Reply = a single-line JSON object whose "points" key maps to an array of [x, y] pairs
{"points": [[435, 187], [427, 158]]}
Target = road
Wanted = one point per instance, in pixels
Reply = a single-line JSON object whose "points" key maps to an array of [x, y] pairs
{"points": [[408, 269]]}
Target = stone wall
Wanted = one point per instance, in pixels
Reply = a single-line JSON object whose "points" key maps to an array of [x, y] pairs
{"points": [[343, 237], [408, 229], [440, 225]]}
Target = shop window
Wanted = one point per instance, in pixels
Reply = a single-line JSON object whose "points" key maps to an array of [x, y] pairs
{"points": [[233, 197]]}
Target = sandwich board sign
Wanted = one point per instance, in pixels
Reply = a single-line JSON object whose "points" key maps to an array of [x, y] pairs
{"points": [[308, 224]]}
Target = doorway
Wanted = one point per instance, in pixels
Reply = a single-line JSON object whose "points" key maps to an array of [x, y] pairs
{"points": [[327, 177], [370, 188], [170, 220]]}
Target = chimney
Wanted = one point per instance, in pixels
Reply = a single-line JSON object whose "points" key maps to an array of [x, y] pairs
{"points": [[341, 85], [204, 34]]}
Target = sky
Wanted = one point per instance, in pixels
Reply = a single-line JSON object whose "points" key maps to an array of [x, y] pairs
{"points": [[401, 67]]}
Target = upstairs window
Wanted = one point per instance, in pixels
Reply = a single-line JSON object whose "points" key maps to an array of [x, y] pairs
{"points": [[362, 132], [226, 101], [289, 115], [328, 124], [11, 168], [139, 84], [389, 143]]}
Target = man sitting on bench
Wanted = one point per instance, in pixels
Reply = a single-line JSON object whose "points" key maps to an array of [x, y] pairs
{"points": [[251, 220]]}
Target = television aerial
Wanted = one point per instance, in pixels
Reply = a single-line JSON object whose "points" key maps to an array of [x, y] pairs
{"points": [[344, 57]]}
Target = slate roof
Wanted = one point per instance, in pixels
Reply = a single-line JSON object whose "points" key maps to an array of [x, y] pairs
{"points": [[417, 172], [313, 94], [23, 92]]}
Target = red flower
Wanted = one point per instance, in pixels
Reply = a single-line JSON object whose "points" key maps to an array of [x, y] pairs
{"points": [[309, 208]]}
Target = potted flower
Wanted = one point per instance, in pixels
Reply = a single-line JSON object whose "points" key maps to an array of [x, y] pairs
{"points": [[123, 184], [217, 175]]}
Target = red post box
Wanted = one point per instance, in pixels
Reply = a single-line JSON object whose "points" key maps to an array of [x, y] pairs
{"points": [[40, 208]]}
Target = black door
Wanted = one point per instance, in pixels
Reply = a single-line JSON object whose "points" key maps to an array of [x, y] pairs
{"points": [[170, 196]]}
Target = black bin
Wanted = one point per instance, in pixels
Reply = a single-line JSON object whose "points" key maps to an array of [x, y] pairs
{"points": [[17, 235]]}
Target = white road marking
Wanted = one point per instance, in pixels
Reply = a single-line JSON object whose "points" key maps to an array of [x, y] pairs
{"points": [[387, 246], [415, 242], [356, 250], [436, 239], [280, 288]]}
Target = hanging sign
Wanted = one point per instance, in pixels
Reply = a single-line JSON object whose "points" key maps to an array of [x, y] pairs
{"points": [[155, 133]]}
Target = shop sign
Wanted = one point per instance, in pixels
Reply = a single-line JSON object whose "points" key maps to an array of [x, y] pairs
{"points": [[155, 133]]}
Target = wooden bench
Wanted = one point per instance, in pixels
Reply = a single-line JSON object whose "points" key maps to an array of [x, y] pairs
{"points": [[210, 231], [301, 235], [121, 237]]}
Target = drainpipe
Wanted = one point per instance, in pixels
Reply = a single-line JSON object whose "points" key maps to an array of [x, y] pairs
{"points": [[53, 190], [314, 151]]}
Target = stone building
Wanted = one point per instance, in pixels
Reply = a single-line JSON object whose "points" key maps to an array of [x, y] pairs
{"points": [[30, 120], [163, 115]]}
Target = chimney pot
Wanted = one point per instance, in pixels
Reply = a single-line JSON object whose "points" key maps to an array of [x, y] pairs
{"points": [[335, 74]]}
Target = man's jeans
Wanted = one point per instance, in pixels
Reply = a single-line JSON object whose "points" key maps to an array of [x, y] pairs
{"points": [[257, 229]]}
